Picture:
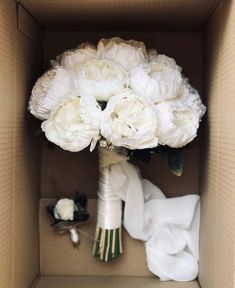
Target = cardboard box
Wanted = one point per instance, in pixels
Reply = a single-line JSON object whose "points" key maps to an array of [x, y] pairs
{"points": [[200, 36]]}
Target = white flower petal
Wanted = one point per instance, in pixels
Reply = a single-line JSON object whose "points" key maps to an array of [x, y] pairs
{"points": [[128, 53], [129, 121], [64, 209], [190, 97], [158, 80], [177, 124], [49, 89], [74, 123], [70, 58], [100, 79]]}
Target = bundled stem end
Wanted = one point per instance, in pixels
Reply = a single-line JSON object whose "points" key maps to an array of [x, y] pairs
{"points": [[108, 243]]}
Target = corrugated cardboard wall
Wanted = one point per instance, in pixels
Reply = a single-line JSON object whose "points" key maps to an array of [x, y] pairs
{"points": [[218, 165], [66, 171], [182, 15], [27, 168], [19, 169], [7, 90]]}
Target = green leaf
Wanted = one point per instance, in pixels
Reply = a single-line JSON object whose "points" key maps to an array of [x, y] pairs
{"points": [[81, 214], [81, 199], [143, 155], [175, 161]]}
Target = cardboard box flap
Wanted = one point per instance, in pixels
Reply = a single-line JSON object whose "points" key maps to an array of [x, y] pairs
{"points": [[120, 14]]}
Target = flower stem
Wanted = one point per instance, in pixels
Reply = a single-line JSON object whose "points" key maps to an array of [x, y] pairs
{"points": [[108, 244]]}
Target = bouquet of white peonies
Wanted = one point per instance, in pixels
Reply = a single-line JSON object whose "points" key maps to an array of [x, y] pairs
{"points": [[123, 97]]}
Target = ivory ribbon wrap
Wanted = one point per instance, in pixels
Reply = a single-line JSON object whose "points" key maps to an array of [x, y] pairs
{"points": [[109, 215], [169, 227]]}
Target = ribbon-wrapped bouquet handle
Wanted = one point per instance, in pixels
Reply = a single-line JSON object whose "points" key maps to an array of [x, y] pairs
{"points": [[108, 238]]}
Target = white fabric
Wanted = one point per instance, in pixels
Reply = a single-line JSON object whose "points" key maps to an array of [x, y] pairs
{"points": [[169, 227]]}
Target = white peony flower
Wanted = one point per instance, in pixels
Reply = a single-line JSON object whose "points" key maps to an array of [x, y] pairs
{"points": [[177, 124], [158, 80], [74, 123], [70, 58], [52, 86], [129, 121], [100, 78], [128, 53], [64, 209]]}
